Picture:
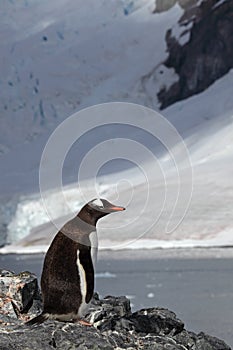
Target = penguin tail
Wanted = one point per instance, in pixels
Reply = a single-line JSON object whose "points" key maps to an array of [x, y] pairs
{"points": [[38, 319]]}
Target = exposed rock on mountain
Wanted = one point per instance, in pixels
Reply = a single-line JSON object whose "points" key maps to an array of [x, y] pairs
{"points": [[208, 53], [114, 325], [164, 5]]}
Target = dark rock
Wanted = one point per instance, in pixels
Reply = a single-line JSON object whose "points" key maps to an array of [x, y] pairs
{"points": [[206, 56], [165, 5], [156, 320], [114, 325], [200, 341], [103, 312], [19, 294]]}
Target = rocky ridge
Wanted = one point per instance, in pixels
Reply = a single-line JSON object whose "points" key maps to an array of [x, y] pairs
{"points": [[115, 326], [202, 51], [165, 5]]}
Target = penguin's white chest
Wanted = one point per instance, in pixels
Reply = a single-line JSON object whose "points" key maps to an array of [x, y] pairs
{"points": [[83, 288], [82, 273]]}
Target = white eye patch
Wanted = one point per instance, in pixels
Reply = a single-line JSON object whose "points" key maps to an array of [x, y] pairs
{"points": [[98, 202]]}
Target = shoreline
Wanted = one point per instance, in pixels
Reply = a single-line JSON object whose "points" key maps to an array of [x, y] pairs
{"points": [[168, 253], [147, 253]]}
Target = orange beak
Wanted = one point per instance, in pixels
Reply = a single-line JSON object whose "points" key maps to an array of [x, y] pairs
{"points": [[114, 208]]}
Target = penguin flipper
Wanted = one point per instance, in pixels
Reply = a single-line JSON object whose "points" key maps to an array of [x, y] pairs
{"points": [[37, 320]]}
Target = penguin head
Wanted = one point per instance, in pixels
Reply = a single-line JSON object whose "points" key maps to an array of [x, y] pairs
{"points": [[98, 208]]}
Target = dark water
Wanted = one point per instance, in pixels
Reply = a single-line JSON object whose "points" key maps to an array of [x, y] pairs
{"points": [[199, 291]]}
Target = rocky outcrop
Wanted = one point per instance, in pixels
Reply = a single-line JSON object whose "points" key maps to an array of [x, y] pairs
{"points": [[165, 5], [208, 53], [115, 326], [19, 294]]}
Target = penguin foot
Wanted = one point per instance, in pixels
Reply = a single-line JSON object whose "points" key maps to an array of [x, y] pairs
{"points": [[84, 323]]}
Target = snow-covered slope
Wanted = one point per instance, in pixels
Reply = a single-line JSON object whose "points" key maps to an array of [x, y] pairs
{"points": [[59, 57], [208, 220], [75, 55]]}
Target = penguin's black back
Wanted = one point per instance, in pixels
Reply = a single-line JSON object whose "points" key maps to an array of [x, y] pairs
{"points": [[60, 280]]}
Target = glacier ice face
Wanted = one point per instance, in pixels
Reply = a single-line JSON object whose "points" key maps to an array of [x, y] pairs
{"points": [[28, 214]]}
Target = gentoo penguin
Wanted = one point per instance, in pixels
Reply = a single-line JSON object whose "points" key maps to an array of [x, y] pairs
{"points": [[67, 281]]}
